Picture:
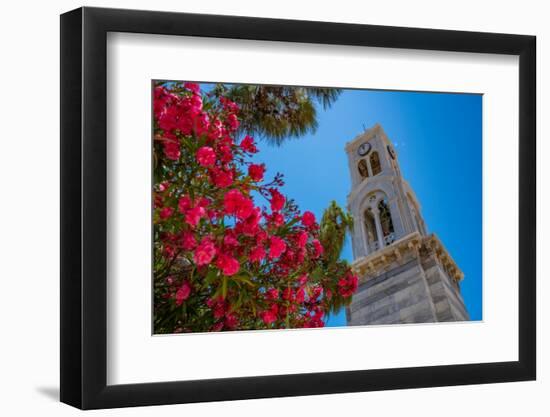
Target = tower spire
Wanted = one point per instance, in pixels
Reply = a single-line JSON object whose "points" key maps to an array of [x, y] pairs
{"points": [[390, 240]]}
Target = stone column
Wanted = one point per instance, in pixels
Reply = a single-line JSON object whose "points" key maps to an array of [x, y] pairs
{"points": [[359, 247], [397, 220], [379, 232]]}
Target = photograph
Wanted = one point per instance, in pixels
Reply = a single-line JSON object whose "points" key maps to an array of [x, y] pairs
{"points": [[295, 207]]}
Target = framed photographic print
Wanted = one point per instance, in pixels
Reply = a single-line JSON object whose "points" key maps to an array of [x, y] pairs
{"points": [[256, 208]]}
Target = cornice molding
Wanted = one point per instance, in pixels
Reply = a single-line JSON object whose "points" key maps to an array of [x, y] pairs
{"points": [[374, 264]]}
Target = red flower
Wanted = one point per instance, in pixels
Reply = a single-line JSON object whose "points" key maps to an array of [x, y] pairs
{"points": [[206, 156], [248, 145], [347, 285], [195, 88], [218, 307], [229, 105], [257, 254], [302, 239], [184, 203], [221, 178], [205, 252], [188, 241], [226, 230], [183, 293], [272, 294], [318, 248], [268, 317], [229, 240], [166, 212], [232, 122], [226, 155], [300, 296], [277, 246], [201, 124], [288, 294], [308, 219], [196, 102], [227, 264], [163, 186], [277, 200], [193, 212], [278, 219], [172, 150], [194, 215], [256, 172], [236, 203], [231, 321], [250, 227]]}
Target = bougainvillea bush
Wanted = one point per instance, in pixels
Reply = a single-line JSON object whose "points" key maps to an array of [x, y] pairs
{"points": [[231, 251]]}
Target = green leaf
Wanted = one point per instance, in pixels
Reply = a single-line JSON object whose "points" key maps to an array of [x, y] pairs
{"points": [[244, 279], [211, 276], [224, 287]]}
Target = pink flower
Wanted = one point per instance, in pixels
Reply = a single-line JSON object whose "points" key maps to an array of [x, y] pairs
{"points": [[256, 172], [205, 252], [300, 295], [194, 87], [203, 202], [236, 203], [318, 248], [206, 156], [226, 155], [172, 150], [257, 254], [217, 306], [201, 124], [232, 122], [231, 321], [347, 285], [229, 240], [302, 239], [278, 219], [268, 317], [166, 212], [184, 203], [163, 186], [277, 246], [183, 293], [196, 102], [194, 215], [308, 219], [227, 264], [221, 178], [277, 200], [272, 294], [229, 105], [188, 241], [249, 227], [248, 145], [288, 294]]}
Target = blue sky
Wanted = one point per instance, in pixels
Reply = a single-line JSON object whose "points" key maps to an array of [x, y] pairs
{"points": [[438, 141]]}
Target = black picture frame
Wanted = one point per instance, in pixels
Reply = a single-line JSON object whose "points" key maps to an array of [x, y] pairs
{"points": [[84, 207]]}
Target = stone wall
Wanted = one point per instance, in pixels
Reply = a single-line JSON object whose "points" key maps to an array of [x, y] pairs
{"points": [[414, 289]]}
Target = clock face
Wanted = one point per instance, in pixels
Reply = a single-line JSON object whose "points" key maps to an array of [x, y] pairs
{"points": [[364, 149]]}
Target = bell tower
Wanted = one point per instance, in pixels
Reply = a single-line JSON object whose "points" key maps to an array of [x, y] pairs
{"points": [[405, 274]]}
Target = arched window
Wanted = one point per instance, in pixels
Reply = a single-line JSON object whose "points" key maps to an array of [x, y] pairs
{"points": [[363, 168], [370, 226], [375, 166], [386, 222]]}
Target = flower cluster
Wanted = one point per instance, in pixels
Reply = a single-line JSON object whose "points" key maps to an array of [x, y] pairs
{"points": [[223, 261]]}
